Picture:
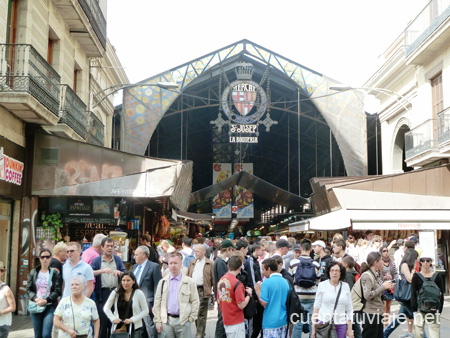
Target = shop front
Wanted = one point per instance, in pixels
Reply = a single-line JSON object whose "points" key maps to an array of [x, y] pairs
{"points": [[12, 158], [392, 206]]}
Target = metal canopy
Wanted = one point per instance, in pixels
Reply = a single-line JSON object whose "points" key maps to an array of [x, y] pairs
{"points": [[254, 184], [143, 107]]}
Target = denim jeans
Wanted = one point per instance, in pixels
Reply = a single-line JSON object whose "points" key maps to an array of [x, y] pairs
{"points": [[404, 311], [308, 306], [4, 331], [43, 322]]}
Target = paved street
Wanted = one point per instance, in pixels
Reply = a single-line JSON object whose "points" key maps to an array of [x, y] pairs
{"points": [[22, 327]]}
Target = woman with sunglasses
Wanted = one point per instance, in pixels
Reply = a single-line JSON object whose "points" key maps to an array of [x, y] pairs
{"points": [[373, 288], [390, 273], [43, 290], [431, 318]]}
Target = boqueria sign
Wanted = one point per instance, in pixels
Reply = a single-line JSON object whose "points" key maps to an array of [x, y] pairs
{"points": [[11, 169]]}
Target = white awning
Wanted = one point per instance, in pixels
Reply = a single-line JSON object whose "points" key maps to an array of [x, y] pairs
{"points": [[300, 226], [333, 221]]}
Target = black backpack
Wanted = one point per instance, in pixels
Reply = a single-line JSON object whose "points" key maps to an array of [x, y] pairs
{"points": [[294, 308], [305, 276], [250, 309], [429, 298]]}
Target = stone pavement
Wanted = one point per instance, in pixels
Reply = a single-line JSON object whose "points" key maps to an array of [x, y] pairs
{"points": [[23, 328]]}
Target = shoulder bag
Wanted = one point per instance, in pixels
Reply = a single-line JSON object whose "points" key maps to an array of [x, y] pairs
{"points": [[32, 306], [250, 308], [324, 330], [73, 317], [402, 291]]}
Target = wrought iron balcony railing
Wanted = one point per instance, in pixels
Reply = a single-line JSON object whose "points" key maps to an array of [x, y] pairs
{"points": [[421, 139], [92, 10], [444, 126], [23, 69], [96, 130], [428, 20], [73, 111]]}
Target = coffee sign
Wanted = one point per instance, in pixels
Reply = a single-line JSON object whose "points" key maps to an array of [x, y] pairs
{"points": [[11, 170]]}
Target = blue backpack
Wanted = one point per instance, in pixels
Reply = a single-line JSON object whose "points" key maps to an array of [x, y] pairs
{"points": [[305, 276], [187, 259]]}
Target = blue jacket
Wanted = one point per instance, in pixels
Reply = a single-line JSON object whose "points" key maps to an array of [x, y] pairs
{"points": [[96, 264]]}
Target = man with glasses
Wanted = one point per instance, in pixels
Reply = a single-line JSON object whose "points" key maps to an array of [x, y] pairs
{"points": [[75, 266]]}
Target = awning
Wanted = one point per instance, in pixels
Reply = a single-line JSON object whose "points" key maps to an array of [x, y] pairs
{"points": [[299, 226], [191, 216], [64, 167], [414, 200], [256, 185]]}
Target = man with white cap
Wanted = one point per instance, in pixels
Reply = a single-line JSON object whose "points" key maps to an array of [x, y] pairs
{"points": [[322, 259]]}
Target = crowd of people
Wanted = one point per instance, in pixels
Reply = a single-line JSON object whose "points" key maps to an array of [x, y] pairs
{"points": [[350, 283]]}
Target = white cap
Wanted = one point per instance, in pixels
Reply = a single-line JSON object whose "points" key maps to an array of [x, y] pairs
{"points": [[283, 237], [321, 243], [427, 255]]}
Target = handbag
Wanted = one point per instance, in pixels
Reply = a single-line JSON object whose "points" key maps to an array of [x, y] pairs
{"points": [[73, 316], [32, 306], [325, 330], [122, 332], [402, 291]]}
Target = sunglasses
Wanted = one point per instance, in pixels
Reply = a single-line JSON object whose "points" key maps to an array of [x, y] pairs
{"points": [[425, 260], [45, 257], [385, 251], [71, 251]]}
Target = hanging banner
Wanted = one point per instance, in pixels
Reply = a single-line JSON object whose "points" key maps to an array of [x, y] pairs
{"points": [[243, 197], [222, 201]]}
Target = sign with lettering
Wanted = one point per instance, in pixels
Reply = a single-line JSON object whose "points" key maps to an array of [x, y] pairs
{"points": [[79, 207], [11, 170]]}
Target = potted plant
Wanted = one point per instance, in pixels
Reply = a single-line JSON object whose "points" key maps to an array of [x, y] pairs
{"points": [[51, 225]]}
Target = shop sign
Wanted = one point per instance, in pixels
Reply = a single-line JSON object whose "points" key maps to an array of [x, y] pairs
{"points": [[240, 133], [11, 170], [79, 207], [78, 231]]}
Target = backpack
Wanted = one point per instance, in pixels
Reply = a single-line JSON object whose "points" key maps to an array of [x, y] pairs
{"points": [[429, 298], [250, 308], [357, 294], [188, 258], [294, 308], [305, 276]]}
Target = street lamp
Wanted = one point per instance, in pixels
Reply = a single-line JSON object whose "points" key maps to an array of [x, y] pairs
{"points": [[396, 96], [114, 89]]}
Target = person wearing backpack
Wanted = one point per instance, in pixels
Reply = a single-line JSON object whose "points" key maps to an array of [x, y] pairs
{"points": [[187, 251], [305, 282], [427, 298]]}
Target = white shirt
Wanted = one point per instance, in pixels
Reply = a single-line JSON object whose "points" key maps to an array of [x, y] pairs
{"points": [[141, 272], [197, 274], [398, 256], [326, 297]]}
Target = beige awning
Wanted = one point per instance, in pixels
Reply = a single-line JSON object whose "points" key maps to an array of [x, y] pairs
{"points": [[416, 200]]}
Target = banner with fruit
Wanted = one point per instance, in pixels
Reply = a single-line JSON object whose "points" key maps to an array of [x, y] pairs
{"points": [[222, 201], [243, 198]]}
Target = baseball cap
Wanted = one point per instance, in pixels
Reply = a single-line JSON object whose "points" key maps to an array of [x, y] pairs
{"points": [[2, 266], [414, 239], [281, 243], [400, 241], [321, 243], [296, 247], [226, 243]]}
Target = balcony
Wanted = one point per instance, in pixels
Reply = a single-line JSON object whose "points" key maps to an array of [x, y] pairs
{"points": [[421, 144], [29, 85], [96, 130], [428, 32], [86, 23], [444, 130], [72, 112]]}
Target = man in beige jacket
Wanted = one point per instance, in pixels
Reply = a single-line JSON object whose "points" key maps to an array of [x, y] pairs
{"points": [[176, 301]]}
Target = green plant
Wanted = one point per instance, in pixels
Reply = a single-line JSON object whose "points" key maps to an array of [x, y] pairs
{"points": [[51, 225]]}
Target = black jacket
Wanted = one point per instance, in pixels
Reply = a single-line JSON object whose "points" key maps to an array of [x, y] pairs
{"points": [[256, 270], [55, 289], [286, 275], [220, 269], [350, 277], [323, 266]]}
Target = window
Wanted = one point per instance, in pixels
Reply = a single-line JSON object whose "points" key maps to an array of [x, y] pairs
{"points": [[437, 95]]}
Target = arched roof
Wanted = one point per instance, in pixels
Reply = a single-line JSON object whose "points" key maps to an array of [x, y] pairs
{"points": [[144, 106]]}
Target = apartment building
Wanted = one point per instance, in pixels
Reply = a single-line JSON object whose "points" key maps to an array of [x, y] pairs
{"points": [[56, 64]]}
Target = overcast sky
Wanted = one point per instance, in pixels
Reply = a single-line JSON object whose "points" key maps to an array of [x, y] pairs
{"points": [[342, 39]]}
